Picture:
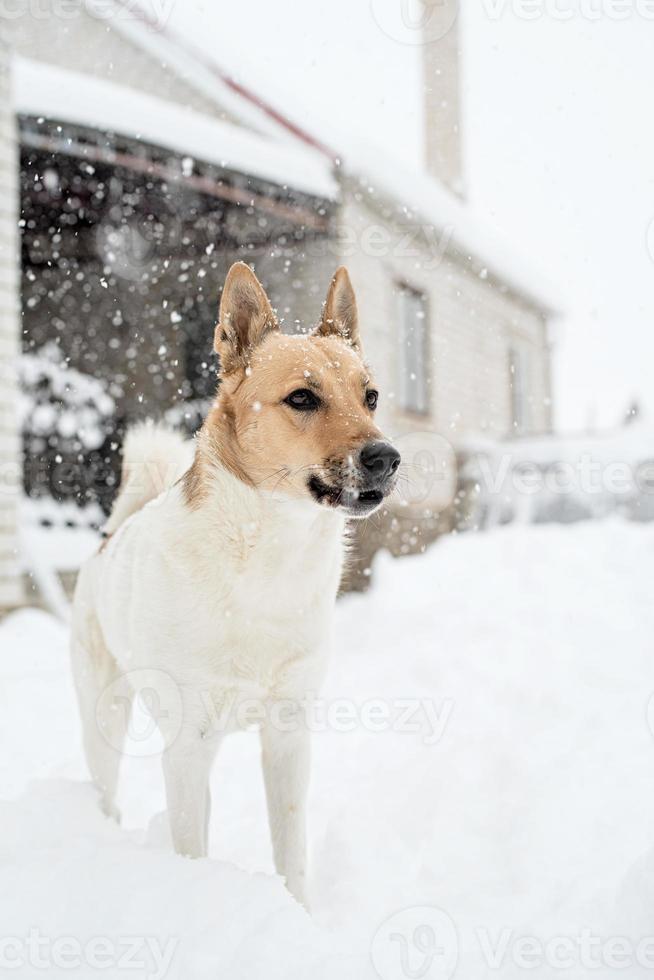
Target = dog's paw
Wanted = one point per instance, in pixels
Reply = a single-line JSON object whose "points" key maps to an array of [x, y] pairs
{"points": [[110, 809]]}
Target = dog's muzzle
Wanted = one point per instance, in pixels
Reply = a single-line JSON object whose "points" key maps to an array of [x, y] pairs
{"points": [[358, 487]]}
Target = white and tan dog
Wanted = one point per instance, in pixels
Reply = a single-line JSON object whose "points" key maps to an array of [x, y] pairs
{"points": [[222, 564]]}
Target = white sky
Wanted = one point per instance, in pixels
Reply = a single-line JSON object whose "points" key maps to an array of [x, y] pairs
{"points": [[558, 142]]}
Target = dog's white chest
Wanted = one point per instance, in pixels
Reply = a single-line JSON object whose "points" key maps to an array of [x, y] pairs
{"points": [[276, 617], [245, 613]]}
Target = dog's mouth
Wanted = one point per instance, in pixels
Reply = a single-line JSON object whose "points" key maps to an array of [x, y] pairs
{"points": [[357, 503]]}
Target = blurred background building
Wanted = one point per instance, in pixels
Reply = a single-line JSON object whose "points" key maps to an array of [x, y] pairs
{"points": [[138, 171]]}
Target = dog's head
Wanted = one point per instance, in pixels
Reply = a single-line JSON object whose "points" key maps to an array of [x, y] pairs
{"points": [[296, 414]]}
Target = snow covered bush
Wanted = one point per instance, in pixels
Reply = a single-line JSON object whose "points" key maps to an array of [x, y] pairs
{"points": [[70, 430]]}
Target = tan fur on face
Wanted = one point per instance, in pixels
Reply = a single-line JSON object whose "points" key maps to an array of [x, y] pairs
{"points": [[278, 445], [264, 441]]}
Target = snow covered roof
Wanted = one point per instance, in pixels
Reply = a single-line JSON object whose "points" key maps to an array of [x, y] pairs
{"points": [[275, 147], [465, 232], [468, 233], [46, 90], [204, 73]]}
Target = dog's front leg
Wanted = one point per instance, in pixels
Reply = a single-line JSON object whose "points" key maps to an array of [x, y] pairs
{"points": [[187, 767], [286, 775]]}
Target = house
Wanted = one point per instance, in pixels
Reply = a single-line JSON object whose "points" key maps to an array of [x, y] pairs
{"points": [[145, 170]]}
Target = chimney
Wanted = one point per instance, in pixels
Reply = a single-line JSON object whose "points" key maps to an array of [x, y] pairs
{"points": [[440, 47]]}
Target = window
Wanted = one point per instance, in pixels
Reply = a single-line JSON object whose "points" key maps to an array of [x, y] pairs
{"points": [[519, 387], [414, 350]]}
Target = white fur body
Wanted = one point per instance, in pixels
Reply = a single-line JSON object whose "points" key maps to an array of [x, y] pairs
{"points": [[232, 599]]}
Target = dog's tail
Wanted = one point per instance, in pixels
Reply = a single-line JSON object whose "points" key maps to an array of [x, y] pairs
{"points": [[154, 457]]}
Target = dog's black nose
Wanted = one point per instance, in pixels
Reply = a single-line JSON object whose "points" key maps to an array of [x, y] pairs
{"points": [[379, 460]]}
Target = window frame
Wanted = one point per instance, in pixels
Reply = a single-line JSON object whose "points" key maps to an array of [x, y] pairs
{"points": [[416, 406], [518, 357]]}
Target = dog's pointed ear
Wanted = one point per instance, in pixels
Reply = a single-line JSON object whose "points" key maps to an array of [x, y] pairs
{"points": [[339, 314], [246, 317]]}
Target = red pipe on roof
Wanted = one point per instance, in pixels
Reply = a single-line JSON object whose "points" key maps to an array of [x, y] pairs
{"points": [[245, 93]]}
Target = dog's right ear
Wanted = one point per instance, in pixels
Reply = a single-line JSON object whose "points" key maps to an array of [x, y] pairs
{"points": [[246, 317], [339, 314]]}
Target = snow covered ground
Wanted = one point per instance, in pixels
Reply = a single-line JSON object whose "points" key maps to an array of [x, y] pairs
{"points": [[482, 801]]}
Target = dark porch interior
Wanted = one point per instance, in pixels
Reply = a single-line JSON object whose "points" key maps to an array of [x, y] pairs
{"points": [[124, 251]]}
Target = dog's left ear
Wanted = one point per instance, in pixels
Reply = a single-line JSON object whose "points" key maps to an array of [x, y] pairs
{"points": [[339, 314], [246, 317]]}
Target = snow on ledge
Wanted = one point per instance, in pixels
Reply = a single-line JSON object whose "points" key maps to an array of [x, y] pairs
{"points": [[41, 89]]}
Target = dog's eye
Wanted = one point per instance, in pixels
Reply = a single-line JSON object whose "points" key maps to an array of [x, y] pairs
{"points": [[303, 400], [371, 399]]}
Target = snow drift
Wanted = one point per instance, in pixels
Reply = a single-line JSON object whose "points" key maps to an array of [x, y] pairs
{"points": [[517, 828]]}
